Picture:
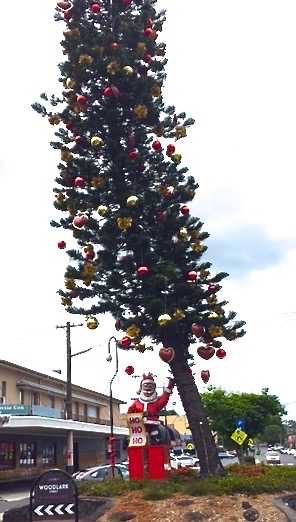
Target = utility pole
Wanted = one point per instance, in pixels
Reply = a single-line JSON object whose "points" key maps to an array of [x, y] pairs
{"points": [[69, 456]]}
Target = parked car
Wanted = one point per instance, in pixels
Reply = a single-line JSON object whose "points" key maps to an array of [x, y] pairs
{"points": [[101, 473], [186, 461], [174, 462], [226, 455], [272, 457]]}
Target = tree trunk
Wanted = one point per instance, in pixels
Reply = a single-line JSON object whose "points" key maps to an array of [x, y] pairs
{"points": [[203, 439]]}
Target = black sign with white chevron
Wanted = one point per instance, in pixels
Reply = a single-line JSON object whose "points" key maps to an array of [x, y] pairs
{"points": [[54, 497], [50, 509]]}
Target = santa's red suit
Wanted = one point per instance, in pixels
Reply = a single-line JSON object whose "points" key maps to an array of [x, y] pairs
{"points": [[151, 407]]}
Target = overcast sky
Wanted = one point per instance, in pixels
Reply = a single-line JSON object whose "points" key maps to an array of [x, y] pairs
{"points": [[232, 68]]}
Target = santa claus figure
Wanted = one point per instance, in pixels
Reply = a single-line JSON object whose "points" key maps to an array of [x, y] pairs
{"points": [[151, 404]]}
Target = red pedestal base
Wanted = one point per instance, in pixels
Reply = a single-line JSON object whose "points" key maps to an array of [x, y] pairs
{"points": [[148, 461]]}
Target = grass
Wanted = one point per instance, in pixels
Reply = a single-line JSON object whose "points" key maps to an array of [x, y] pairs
{"points": [[249, 480]]}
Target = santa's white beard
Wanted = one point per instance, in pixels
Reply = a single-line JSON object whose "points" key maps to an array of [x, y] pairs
{"points": [[148, 398]]}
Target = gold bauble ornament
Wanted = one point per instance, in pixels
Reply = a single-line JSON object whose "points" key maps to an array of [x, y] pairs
{"points": [[102, 210], [178, 314], [183, 232], [132, 201], [128, 70], [70, 83], [164, 319], [96, 141], [92, 323]]}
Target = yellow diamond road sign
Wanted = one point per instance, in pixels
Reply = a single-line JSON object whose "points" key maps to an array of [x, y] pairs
{"points": [[239, 436]]}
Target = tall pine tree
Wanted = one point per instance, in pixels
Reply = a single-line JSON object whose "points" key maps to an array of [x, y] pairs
{"points": [[124, 195]]}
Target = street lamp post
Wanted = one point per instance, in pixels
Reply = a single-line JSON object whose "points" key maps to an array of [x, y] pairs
{"points": [[112, 438], [68, 326]]}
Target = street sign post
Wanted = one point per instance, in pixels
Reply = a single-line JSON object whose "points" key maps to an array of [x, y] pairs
{"points": [[239, 436], [239, 423]]}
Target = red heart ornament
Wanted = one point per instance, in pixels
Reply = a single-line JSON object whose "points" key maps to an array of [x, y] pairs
{"points": [[166, 354], [197, 330], [205, 375], [79, 221], [64, 6], [206, 352]]}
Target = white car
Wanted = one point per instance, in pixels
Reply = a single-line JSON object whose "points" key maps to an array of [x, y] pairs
{"points": [[185, 461], [272, 457]]}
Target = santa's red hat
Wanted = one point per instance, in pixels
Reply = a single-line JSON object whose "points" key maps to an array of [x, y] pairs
{"points": [[147, 379]]}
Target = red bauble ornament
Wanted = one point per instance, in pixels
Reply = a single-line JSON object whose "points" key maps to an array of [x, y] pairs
{"points": [[129, 370], [142, 270], [73, 293], [220, 353], [170, 149], [78, 138], [81, 99], [79, 221], [205, 375], [148, 31], [61, 244], [156, 145], [107, 92], [133, 154], [166, 354], [161, 217], [206, 352], [114, 45], [197, 329], [69, 125], [89, 254], [147, 58], [79, 181], [185, 210], [192, 275], [126, 2], [95, 8], [212, 288], [126, 342]]}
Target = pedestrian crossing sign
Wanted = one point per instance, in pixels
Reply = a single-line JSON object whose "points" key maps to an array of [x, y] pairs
{"points": [[239, 436]]}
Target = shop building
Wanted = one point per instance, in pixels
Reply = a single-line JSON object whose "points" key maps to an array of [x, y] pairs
{"points": [[34, 427]]}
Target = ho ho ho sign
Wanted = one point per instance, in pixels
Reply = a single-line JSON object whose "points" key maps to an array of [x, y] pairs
{"points": [[137, 431], [54, 497]]}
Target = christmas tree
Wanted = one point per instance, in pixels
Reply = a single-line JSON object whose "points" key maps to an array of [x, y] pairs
{"points": [[124, 194]]}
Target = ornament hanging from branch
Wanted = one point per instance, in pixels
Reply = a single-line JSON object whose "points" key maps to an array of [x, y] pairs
{"points": [[205, 375], [220, 353], [206, 352], [166, 354], [129, 370], [92, 323], [197, 329], [65, 7]]}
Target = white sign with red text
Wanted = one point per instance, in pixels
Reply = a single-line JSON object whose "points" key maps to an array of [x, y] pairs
{"points": [[137, 432]]}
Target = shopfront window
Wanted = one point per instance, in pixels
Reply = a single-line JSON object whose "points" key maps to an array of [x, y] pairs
{"points": [[49, 454], [7, 455], [28, 454]]}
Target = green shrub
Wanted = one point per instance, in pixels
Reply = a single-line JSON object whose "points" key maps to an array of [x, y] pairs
{"points": [[156, 491]]}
